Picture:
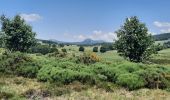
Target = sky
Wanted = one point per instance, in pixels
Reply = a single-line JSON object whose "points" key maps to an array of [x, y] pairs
{"points": [[76, 20]]}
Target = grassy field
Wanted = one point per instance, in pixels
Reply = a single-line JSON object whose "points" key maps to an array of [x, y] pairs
{"points": [[19, 88], [15, 87]]}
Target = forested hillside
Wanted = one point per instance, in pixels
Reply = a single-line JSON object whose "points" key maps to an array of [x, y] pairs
{"points": [[163, 36]]}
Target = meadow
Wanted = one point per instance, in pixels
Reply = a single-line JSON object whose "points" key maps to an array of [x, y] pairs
{"points": [[71, 76]]}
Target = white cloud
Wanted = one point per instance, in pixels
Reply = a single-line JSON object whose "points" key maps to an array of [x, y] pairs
{"points": [[165, 30], [30, 17], [97, 35], [163, 26]]}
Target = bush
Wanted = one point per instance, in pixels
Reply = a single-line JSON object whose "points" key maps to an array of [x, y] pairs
{"points": [[19, 64], [130, 81], [65, 76], [88, 58], [95, 49], [81, 48], [167, 44], [43, 49], [10, 61], [102, 49], [64, 50], [27, 71]]}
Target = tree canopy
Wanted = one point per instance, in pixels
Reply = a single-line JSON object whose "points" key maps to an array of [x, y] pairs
{"points": [[18, 35], [134, 42]]}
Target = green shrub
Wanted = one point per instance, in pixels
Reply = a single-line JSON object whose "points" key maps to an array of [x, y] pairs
{"points": [[27, 71], [104, 72], [95, 49], [19, 64], [88, 58], [130, 81], [151, 75], [10, 61], [64, 50], [81, 48], [103, 49], [66, 76], [43, 49]]}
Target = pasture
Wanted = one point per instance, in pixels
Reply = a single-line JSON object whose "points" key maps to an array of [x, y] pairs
{"points": [[92, 84]]}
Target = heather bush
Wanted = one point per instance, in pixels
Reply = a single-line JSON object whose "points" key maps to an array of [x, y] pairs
{"points": [[130, 81], [88, 58]]}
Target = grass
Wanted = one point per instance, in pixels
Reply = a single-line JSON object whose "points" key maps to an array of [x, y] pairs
{"points": [[18, 88], [162, 58]]}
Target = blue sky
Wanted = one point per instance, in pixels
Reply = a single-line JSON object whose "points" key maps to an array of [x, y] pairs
{"points": [[76, 20]]}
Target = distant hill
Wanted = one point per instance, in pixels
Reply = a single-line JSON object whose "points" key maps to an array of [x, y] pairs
{"points": [[90, 42], [85, 42], [161, 37]]}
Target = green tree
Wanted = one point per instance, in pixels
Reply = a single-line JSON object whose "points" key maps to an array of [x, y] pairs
{"points": [[103, 49], [95, 49], [134, 42], [18, 35], [81, 48]]}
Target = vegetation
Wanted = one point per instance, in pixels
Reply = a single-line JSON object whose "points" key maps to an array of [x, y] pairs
{"points": [[95, 49], [81, 48], [51, 71], [163, 36], [103, 49], [17, 35], [166, 44], [43, 49], [134, 42]]}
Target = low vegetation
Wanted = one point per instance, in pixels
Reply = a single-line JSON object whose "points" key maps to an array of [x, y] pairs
{"points": [[52, 71]]}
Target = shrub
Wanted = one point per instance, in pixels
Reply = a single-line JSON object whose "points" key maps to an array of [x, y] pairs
{"points": [[19, 64], [81, 48], [10, 61], [88, 58], [130, 81], [65, 76], [64, 50], [27, 71], [43, 49], [95, 49], [102, 49], [167, 44], [151, 75]]}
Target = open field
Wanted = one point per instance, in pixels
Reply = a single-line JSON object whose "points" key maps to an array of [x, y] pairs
{"points": [[15, 87], [19, 88]]}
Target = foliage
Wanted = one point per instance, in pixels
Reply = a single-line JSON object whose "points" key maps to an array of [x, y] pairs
{"points": [[81, 48], [130, 81], [66, 76], [95, 49], [103, 49], [167, 44], [88, 58], [64, 50], [43, 49], [18, 64], [163, 36], [159, 47], [18, 35], [61, 45], [134, 42]]}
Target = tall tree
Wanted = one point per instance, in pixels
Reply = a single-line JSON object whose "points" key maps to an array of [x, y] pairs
{"points": [[134, 42], [18, 34]]}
